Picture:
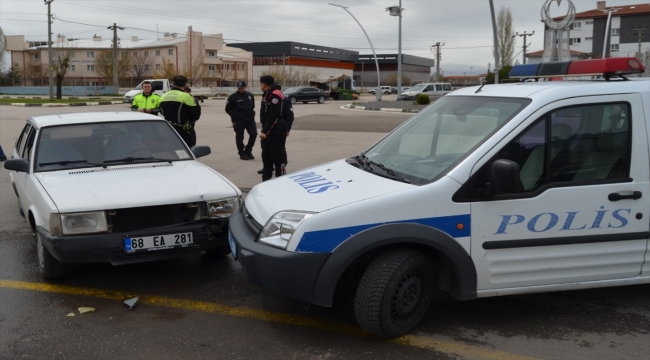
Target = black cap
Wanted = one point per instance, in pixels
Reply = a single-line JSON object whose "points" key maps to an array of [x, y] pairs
{"points": [[241, 84]]}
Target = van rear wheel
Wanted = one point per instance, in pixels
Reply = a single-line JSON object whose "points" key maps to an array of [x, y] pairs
{"points": [[394, 292]]}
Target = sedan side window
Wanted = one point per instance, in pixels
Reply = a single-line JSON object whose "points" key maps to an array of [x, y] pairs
{"points": [[20, 143], [29, 144]]}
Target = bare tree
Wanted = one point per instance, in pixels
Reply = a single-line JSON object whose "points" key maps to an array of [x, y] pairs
{"points": [[37, 73], [167, 70], [141, 67], [2, 46], [195, 73], [505, 33], [61, 62], [104, 66], [225, 72], [276, 72], [14, 75], [392, 80]]}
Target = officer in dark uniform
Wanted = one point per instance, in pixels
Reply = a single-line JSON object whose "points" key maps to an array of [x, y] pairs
{"points": [[287, 115], [181, 110], [241, 108], [274, 130]]}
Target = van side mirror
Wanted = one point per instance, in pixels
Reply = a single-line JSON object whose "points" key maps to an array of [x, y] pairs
{"points": [[20, 165], [505, 177], [201, 151]]}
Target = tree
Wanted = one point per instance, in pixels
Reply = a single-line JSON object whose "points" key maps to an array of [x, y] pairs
{"points": [[225, 72], [14, 75], [505, 33], [141, 67], [392, 80], [196, 72], [2, 46], [61, 62], [167, 70], [37, 73], [503, 75], [104, 66]]}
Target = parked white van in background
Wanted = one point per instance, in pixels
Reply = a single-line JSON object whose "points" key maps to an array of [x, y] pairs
{"points": [[431, 89]]}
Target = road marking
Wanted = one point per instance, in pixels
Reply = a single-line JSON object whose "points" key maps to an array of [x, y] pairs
{"points": [[417, 341]]}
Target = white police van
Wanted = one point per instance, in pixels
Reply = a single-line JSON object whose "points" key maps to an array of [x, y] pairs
{"points": [[498, 190]]}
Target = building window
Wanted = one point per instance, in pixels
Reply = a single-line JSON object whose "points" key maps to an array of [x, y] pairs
{"points": [[124, 54], [90, 54], [70, 67], [135, 54], [589, 22], [588, 38], [72, 54], [146, 53], [614, 47], [90, 67], [574, 41], [212, 67], [212, 54], [616, 31], [577, 25], [92, 83], [36, 57], [241, 67], [157, 52], [170, 52], [157, 66]]}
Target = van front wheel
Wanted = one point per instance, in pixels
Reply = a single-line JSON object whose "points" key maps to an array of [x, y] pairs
{"points": [[394, 292]]}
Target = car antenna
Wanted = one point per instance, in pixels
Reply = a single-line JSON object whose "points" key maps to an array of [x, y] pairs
{"points": [[479, 89]]}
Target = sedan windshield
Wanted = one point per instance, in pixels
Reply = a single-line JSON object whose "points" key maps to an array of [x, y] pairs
{"points": [[292, 89], [435, 139], [105, 144]]}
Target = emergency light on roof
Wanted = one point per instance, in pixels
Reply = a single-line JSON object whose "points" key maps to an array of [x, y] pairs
{"points": [[591, 67]]}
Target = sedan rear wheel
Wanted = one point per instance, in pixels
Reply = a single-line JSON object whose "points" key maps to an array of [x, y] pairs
{"points": [[48, 266], [321, 99], [293, 100]]}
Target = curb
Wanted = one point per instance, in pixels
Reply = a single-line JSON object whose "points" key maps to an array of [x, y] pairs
{"points": [[357, 107], [92, 103]]}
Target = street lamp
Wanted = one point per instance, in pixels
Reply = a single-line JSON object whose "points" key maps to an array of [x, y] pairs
{"points": [[378, 90], [397, 11]]}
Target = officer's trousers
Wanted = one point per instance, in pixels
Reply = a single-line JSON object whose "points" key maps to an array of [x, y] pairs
{"points": [[273, 153], [250, 127]]}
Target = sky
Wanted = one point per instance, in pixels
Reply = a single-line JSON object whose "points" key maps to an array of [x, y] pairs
{"points": [[463, 25]]}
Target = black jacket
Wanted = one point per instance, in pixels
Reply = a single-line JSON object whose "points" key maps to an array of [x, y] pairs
{"points": [[241, 106], [271, 110], [179, 107], [287, 113]]}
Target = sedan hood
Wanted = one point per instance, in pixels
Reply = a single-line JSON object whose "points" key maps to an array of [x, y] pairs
{"points": [[318, 189], [126, 186]]}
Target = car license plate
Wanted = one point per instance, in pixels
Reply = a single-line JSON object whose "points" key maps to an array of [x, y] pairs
{"points": [[160, 242], [233, 246]]}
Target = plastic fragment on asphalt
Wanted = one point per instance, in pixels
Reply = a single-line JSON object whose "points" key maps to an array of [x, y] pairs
{"points": [[70, 314], [85, 309], [132, 302]]}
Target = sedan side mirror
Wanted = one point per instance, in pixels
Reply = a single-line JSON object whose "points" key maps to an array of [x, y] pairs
{"points": [[201, 151], [20, 165]]}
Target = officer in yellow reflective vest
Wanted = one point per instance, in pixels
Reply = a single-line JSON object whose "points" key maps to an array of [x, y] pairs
{"points": [[147, 101], [180, 109]]}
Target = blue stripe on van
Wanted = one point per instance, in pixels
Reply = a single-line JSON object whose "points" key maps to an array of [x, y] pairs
{"points": [[325, 241]]}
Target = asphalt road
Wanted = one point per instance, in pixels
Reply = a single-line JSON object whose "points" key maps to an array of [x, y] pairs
{"points": [[205, 309]]}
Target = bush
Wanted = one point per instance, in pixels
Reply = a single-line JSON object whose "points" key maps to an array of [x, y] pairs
{"points": [[422, 99]]}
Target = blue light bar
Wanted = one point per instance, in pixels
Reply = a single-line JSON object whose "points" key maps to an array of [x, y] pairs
{"points": [[524, 71]]}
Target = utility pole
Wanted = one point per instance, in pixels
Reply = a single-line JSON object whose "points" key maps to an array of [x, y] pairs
{"points": [[116, 80], [496, 44], [49, 47], [525, 46], [639, 36], [438, 56]]}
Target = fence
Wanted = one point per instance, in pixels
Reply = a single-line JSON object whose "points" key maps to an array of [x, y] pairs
{"points": [[65, 90]]}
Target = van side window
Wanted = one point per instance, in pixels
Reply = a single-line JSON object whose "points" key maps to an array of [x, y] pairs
{"points": [[573, 145], [446, 87], [156, 85], [428, 88], [438, 87]]}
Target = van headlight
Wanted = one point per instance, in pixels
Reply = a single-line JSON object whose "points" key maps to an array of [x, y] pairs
{"points": [[84, 223], [223, 208], [278, 230]]}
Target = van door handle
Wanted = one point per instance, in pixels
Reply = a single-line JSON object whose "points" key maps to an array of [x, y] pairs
{"points": [[636, 195]]}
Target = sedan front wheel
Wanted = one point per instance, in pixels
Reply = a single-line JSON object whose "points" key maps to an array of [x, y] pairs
{"points": [[293, 100], [321, 99], [48, 266]]}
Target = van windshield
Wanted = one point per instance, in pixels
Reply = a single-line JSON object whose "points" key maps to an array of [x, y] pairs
{"points": [[434, 140], [418, 87]]}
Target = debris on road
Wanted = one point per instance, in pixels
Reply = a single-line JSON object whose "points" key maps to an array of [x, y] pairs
{"points": [[70, 314], [83, 310], [132, 302]]}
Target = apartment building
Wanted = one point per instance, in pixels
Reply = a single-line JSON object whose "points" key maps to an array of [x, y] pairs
{"points": [[203, 58]]}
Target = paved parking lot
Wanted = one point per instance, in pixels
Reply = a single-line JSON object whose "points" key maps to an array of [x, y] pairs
{"points": [[205, 310]]}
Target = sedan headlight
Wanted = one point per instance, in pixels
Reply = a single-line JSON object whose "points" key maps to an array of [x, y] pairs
{"points": [[278, 230], [84, 223], [220, 209]]}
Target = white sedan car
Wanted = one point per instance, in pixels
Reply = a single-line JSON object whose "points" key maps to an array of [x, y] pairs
{"points": [[117, 187]]}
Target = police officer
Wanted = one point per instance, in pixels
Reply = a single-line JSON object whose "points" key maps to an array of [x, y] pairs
{"points": [[287, 116], [180, 109], [147, 101], [274, 130], [241, 108]]}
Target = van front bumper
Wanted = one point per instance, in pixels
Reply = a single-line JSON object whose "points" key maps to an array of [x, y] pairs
{"points": [[292, 275]]}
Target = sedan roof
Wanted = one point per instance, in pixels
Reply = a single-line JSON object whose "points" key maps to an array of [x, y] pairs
{"points": [[89, 117]]}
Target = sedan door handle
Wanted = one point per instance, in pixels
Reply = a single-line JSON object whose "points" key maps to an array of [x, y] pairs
{"points": [[636, 195]]}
